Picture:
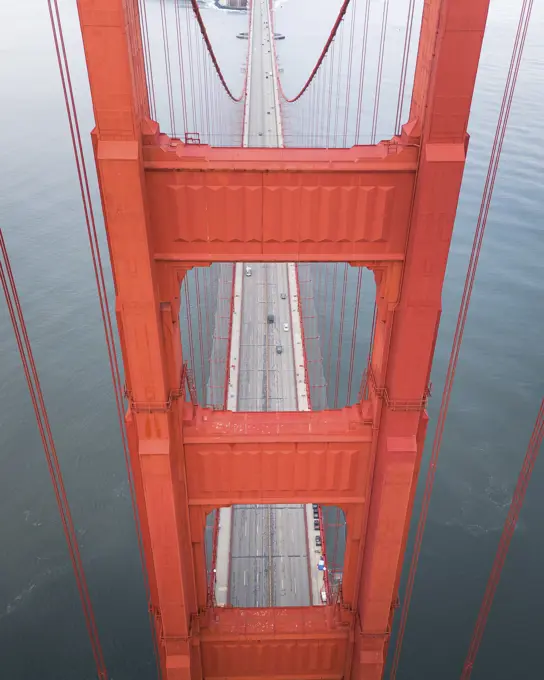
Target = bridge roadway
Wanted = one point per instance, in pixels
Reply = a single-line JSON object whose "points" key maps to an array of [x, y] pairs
{"points": [[269, 543]]}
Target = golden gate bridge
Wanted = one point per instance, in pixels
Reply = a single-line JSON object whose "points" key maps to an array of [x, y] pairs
{"points": [[272, 416]]}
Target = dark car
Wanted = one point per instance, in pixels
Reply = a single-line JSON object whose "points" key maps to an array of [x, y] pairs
{"points": [[318, 540], [316, 524]]}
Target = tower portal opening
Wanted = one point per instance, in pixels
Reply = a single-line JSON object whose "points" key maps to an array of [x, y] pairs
{"points": [[337, 303], [275, 555], [267, 336]]}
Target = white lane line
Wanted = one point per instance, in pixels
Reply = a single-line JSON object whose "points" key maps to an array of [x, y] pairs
{"points": [[245, 577], [296, 330], [279, 129], [248, 84], [232, 398]]}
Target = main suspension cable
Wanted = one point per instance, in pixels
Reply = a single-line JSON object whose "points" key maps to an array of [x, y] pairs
{"points": [[404, 65], [379, 73], [509, 528], [42, 420], [350, 61], [332, 34], [81, 168], [364, 46], [211, 52], [463, 312]]}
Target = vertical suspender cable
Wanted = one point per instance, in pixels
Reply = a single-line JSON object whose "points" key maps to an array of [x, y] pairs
{"points": [[319, 62], [322, 124], [338, 83], [42, 420], [404, 65], [363, 388], [350, 63], [166, 45], [181, 69], [200, 105], [139, 75], [188, 20], [364, 45], [147, 55], [502, 125], [189, 323], [506, 537], [206, 86], [313, 107], [341, 335], [209, 348], [214, 97], [331, 88], [81, 168], [329, 349], [201, 331], [379, 72], [354, 335]]}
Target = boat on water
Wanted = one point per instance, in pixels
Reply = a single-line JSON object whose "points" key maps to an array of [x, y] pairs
{"points": [[245, 36]]}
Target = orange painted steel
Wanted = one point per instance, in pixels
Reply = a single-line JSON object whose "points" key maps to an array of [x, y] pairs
{"points": [[169, 207], [350, 204]]}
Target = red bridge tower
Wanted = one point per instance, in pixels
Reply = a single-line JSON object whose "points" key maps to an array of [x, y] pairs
{"points": [[169, 207]]}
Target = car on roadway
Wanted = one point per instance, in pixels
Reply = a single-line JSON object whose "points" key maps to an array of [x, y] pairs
{"points": [[283, 296], [318, 541], [279, 349], [248, 270], [316, 524], [285, 326]]}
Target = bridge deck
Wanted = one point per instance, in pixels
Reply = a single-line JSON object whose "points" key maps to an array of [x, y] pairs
{"points": [[268, 546]]}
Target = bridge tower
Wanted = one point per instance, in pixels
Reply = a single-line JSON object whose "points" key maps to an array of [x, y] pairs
{"points": [[169, 207]]}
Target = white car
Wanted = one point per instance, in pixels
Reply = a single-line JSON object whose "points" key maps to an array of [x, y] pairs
{"points": [[285, 326]]}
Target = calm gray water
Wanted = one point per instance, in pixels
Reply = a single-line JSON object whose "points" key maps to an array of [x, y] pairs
{"points": [[498, 387]]}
